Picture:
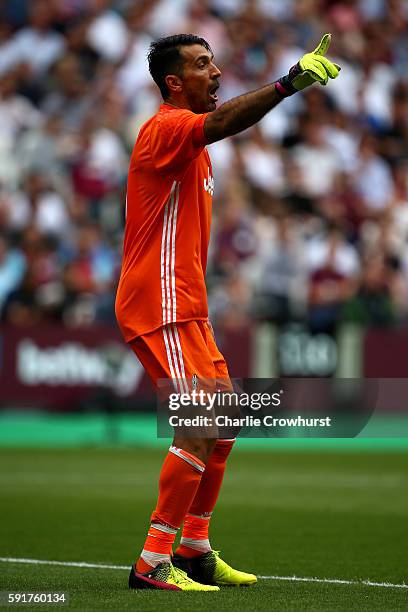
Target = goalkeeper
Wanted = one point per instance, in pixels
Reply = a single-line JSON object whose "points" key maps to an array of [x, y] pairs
{"points": [[161, 303]]}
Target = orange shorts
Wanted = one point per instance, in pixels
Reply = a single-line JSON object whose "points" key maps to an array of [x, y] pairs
{"points": [[182, 351]]}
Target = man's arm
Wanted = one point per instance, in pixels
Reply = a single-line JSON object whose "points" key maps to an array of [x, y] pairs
{"points": [[240, 113]]}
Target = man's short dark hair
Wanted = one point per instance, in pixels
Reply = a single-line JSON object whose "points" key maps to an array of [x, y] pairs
{"points": [[164, 57]]}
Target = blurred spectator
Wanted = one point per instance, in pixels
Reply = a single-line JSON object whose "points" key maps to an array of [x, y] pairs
{"points": [[21, 308], [12, 267], [76, 37], [235, 241], [327, 293], [317, 161], [133, 74], [90, 278], [107, 33], [45, 149], [333, 266], [165, 16], [262, 163], [38, 45], [17, 114], [230, 303], [372, 304], [38, 205], [393, 142], [70, 98], [200, 21], [98, 166], [280, 274], [372, 177]]}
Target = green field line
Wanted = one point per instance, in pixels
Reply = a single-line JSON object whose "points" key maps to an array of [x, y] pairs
{"points": [[28, 429], [102, 566]]}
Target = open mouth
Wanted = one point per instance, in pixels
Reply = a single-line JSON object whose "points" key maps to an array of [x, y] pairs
{"points": [[212, 93]]}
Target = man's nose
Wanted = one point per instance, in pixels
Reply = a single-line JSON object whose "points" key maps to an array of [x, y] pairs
{"points": [[215, 72]]}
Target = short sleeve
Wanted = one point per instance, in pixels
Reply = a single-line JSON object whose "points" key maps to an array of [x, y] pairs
{"points": [[176, 139]]}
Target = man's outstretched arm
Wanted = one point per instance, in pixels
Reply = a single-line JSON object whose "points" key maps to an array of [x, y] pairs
{"points": [[244, 111], [240, 113]]}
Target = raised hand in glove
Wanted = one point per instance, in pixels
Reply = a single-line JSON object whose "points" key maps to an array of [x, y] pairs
{"points": [[311, 68]]}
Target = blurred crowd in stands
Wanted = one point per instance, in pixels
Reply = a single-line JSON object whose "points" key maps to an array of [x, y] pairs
{"points": [[310, 206]]}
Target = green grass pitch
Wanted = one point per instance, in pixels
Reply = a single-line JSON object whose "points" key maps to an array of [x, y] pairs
{"points": [[323, 514]]}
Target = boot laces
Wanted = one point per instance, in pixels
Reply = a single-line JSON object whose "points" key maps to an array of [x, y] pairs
{"points": [[179, 576]]}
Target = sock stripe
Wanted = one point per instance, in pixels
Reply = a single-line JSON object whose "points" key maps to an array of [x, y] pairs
{"points": [[205, 517], [153, 558], [178, 452], [192, 542], [201, 545], [164, 528]]}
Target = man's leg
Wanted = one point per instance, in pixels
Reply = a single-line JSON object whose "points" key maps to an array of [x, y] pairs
{"points": [[195, 554], [184, 464], [195, 540], [179, 480]]}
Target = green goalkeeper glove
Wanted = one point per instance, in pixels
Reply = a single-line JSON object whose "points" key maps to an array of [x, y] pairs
{"points": [[311, 68]]}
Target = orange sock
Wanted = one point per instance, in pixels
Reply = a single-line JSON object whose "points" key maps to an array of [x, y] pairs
{"points": [[157, 548], [179, 480], [194, 540]]}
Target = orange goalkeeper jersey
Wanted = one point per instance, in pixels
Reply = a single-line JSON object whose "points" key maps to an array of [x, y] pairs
{"points": [[168, 218]]}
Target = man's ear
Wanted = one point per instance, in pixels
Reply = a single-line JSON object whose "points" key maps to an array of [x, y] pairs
{"points": [[174, 83]]}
